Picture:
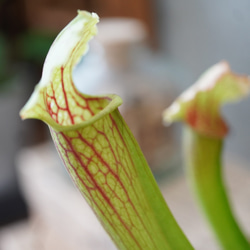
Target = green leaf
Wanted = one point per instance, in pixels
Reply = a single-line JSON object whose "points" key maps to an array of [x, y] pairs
{"points": [[199, 107], [99, 151]]}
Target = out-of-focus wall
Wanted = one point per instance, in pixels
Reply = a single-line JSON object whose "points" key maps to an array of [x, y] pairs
{"points": [[195, 35]]}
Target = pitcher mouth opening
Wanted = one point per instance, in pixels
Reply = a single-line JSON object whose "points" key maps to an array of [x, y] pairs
{"points": [[63, 107], [96, 108], [64, 114]]}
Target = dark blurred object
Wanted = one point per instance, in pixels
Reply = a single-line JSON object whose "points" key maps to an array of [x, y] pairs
{"points": [[20, 69], [12, 206], [11, 26], [12, 23], [53, 15]]}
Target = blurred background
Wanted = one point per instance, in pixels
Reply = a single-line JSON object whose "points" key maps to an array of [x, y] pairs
{"points": [[146, 51]]}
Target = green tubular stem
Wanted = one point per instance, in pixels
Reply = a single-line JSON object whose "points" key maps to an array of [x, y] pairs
{"points": [[203, 159], [173, 234], [150, 224]]}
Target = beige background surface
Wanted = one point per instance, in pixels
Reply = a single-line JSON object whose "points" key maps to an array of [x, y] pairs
{"points": [[61, 219]]}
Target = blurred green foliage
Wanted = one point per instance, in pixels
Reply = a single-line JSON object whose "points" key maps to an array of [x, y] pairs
{"points": [[29, 47], [3, 58], [34, 45]]}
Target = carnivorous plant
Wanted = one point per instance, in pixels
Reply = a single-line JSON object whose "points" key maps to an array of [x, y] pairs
{"points": [[205, 129], [98, 149]]}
